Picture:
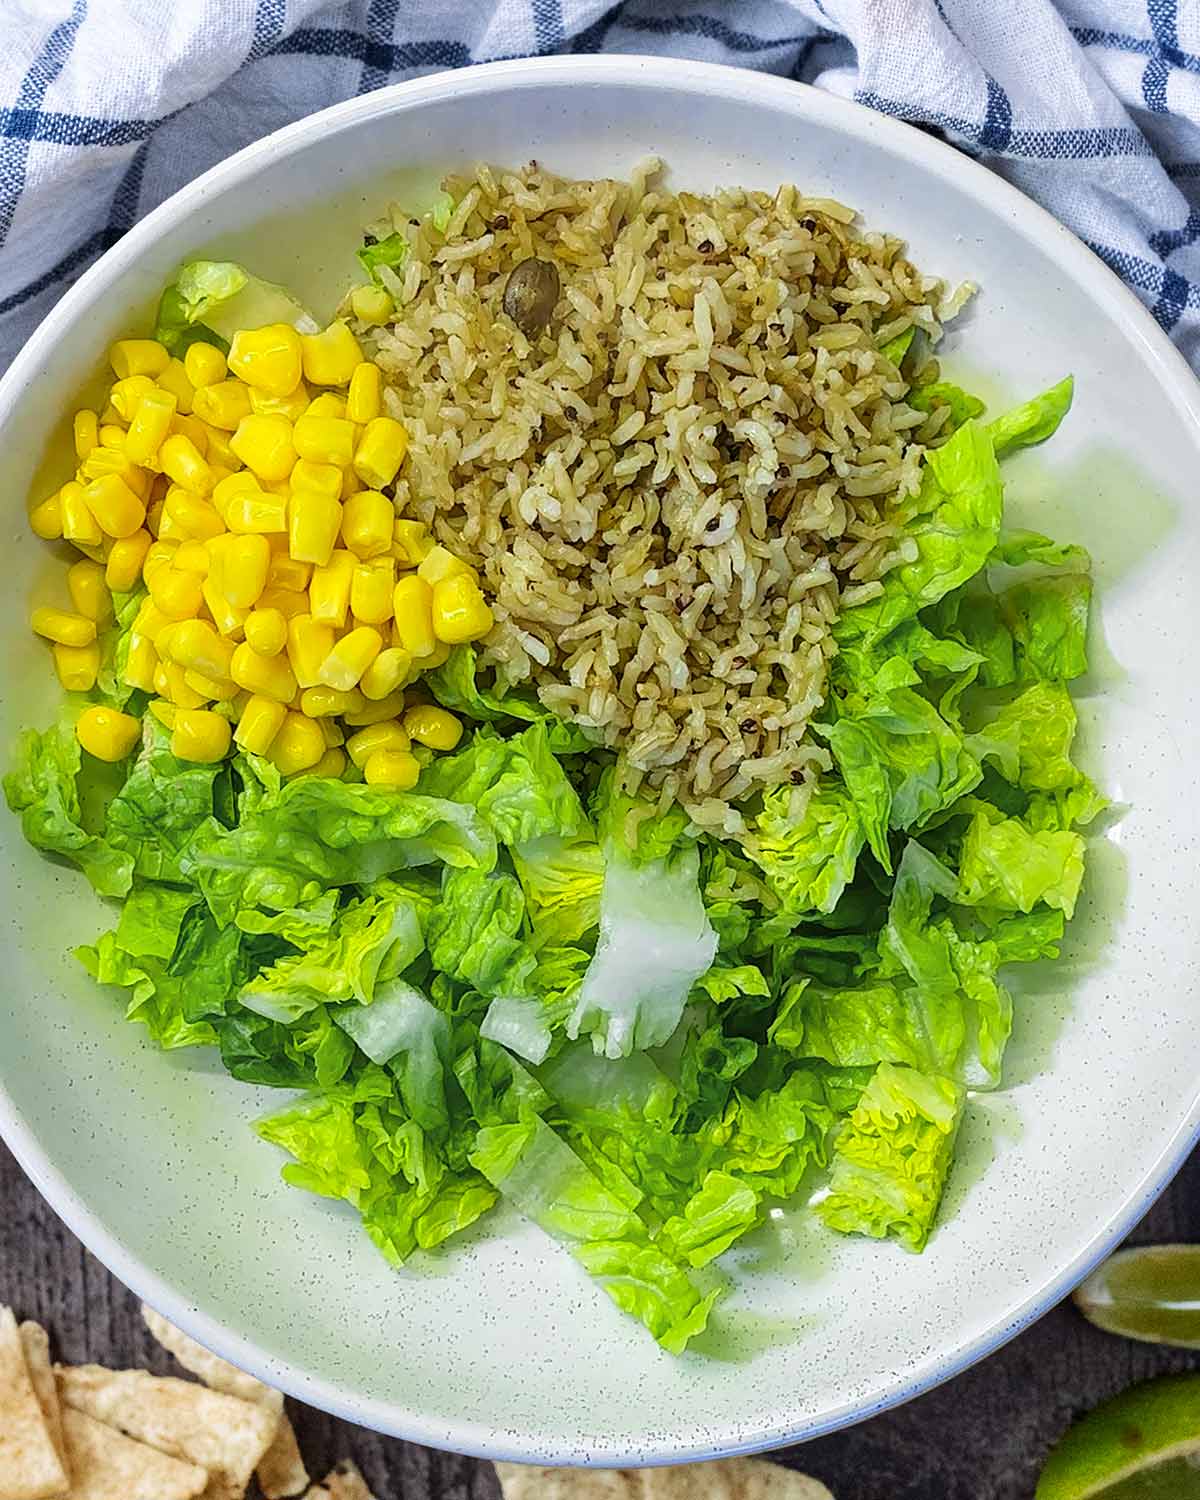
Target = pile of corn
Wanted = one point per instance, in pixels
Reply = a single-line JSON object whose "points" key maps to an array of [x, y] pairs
{"points": [[287, 606]]}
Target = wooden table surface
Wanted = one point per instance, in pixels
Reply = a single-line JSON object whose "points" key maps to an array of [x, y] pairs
{"points": [[980, 1437]]}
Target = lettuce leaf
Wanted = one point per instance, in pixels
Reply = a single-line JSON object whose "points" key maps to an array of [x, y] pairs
{"points": [[938, 393], [807, 861], [1007, 866], [455, 684], [474, 933], [210, 300], [42, 790], [891, 1160], [1034, 421], [562, 880], [162, 807]]}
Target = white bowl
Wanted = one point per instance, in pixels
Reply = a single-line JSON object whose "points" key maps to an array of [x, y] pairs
{"points": [[503, 1348]]}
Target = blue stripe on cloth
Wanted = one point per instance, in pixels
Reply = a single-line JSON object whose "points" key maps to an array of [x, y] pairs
{"points": [[41, 73], [1143, 275], [997, 126], [73, 130], [548, 30], [1165, 242], [270, 17], [1172, 300], [1141, 46], [377, 58], [1085, 144], [592, 38], [1164, 23], [122, 216], [321, 41], [712, 29]]}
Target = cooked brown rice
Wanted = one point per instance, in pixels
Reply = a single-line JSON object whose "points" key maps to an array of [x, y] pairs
{"points": [[671, 491]]}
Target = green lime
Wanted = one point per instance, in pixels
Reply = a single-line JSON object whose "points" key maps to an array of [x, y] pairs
{"points": [[1151, 1293], [1142, 1445]]}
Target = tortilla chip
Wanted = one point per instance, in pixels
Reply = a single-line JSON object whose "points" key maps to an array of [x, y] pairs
{"points": [[219, 1433], [30, 1467], [282, 1470], [344, 1482], [724, 1479], [107, 1466], [35, 1342]]}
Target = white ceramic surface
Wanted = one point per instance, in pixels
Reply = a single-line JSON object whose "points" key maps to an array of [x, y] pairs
{"points": [[503, 1348]]}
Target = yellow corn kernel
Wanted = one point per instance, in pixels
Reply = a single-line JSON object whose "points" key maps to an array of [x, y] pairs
{"points": [[364, 399], [243, 482], [351, 483], [291, 406], [89, 592], [329, 591], [331, 764], [439, 563], [64, 627], [371, 590], [350, 658], [324, 479], [244, 564], [102, 461], [332, 731], [266, 631], [313, 524], [205, 364], [228, 619], [380, 452], [196, 646], [163, 711], [286, 573], [77, 667], [371, 304], [187, 518], [298, 745], [170, 682], [367, 521], [260, 721], [387, 735], [150, 425], [192, 427], [248, 513], [309, 643], [325, 440], [327, 404], [412, 603], [267, 358], [268, 676], [288, 602], [432, 726], [141, 662], [112, 434], [387, 672], [376, 712], [46, 520], [192, 557], [222, 405], [177, 594], [327, 702], [395, 768], [221, 689], [158, 555], [460, 612], [411, 542], [125, 561], [265, 445], [138, 357], [150, 620], [441, 654], [174, 379], [182, 461], [106, 733], [220, 454], [85, 429], [124, 397], [110, 412], [332, 356], [117, 510], [200, 735]]}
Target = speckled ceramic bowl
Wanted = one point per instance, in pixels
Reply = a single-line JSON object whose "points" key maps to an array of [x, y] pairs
{"points": [[503, 1348]]}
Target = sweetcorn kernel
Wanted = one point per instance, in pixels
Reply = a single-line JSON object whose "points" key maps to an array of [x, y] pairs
{"points": [[265, 444], [106, 733], [394, 768], [204, 364], [267, 358]]}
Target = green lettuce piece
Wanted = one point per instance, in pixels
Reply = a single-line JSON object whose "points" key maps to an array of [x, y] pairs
{"points": [[773, 1138], [1030, 740], [634, 827], [311, 1051], [894, 661], [1034, 421], [42, 790], [901, 762], [891, 1160], [963, 406], [709, 1066], [562, 879], [808, 861], [318, 833], [1007, 866], [1020, 937], [159, 1010], [539, 1173], [1016, 548], [972, 616], [151, 919], [210, 300], [114, 649], [162, 807], [329, 1155], [475, 936], [655, 941], [391, 251], [456, 686], [895, 349], [516, 785], [403, 1030], [1048, 619], [955, 529], [721, 1210], [520, 1023]]}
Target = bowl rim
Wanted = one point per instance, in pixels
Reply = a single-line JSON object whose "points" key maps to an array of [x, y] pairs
{"points": [[870, 129]]}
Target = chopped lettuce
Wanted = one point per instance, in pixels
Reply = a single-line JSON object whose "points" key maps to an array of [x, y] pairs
{"points": [[210, 300], [807, 860], [1034, 421]]}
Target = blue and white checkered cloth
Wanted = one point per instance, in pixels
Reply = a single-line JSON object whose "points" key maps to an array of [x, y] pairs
{"points": [[1092, 107]]}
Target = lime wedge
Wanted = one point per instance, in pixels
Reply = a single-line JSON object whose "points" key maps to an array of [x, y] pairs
{"points": [[1142, 1445], [1150, 1293]]}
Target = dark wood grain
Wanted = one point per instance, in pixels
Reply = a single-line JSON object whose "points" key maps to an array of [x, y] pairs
{"points": [[980, 1437]]}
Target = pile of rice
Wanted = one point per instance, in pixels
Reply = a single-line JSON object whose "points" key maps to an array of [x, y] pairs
{"points": [[672, 490]]}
